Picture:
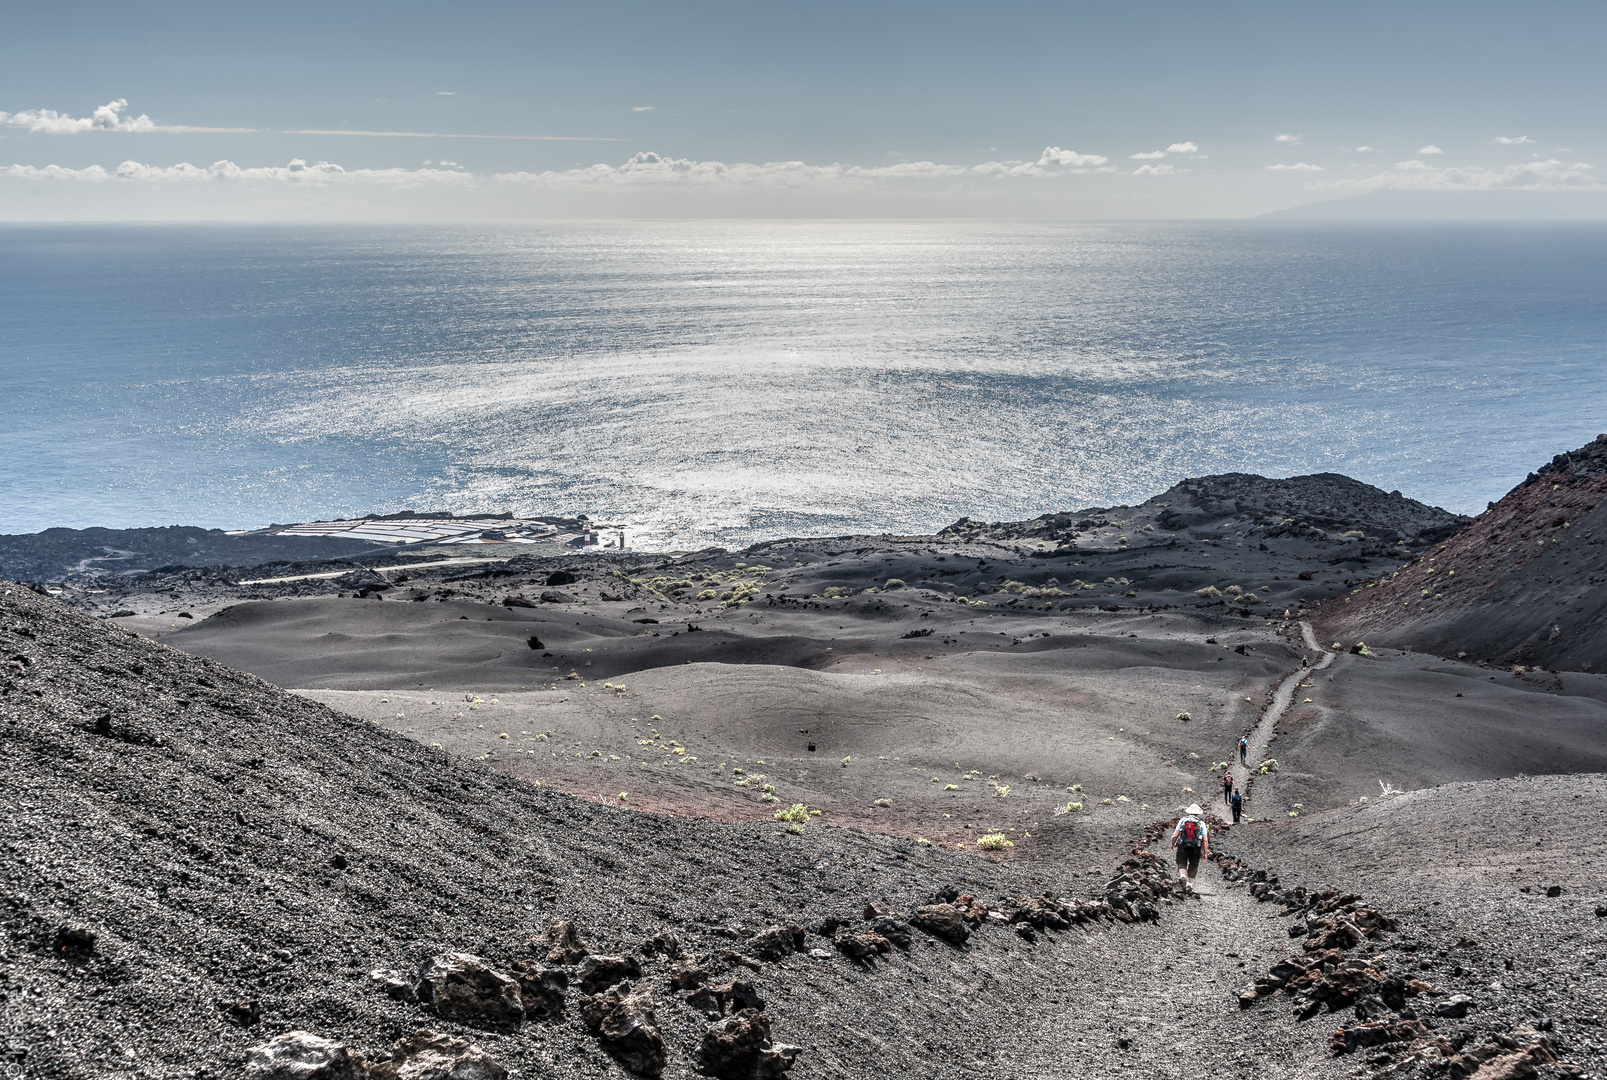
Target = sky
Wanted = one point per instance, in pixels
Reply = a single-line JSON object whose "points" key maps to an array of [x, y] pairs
{"points": [[697, 108]]}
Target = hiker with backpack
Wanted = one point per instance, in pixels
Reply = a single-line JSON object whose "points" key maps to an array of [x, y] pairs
{"points": [[1192, 841], [1237, 802], [1227, 786], [1244, 750]]}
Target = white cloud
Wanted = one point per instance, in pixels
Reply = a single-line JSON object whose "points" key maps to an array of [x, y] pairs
{"points": [[446, 93], [1149, 156], [297, 172], [1299, 166], [425, 135], [108, 117], [1155, 170], [1413, 175], [1518, 141], [1053, 155], [1431, 149], [1366, 149], [1182, 148], [641, 108], [642, 169], [1286, 138]]}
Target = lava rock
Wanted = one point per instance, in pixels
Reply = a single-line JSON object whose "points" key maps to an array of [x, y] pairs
{"points": [[542, 988], [465, 988], [300, 1055], [739, 1048], [775, 943], [395, 984], [561, 577], [429, 1055], [564, 945], [75, 939], [860, 946], [1454, 1007], [896, 931], [623, 1020], [598, 973], [942, 921], [556, 596]]}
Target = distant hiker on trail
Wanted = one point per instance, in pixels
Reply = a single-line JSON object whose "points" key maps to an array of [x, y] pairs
{"points": [[1305, 662], [1237, 802], [1244, 751], [1192, 841], [1227, 787]]}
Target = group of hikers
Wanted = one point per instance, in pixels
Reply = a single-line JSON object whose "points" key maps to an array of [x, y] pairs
{"points": [[1192, 836]]}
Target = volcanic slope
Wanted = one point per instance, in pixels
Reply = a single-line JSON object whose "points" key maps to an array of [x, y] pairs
{"points": [[195, 861], [1525, 584]]}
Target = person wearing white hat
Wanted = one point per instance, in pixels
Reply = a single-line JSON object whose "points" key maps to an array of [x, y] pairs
{"points": [[1191, 839]]}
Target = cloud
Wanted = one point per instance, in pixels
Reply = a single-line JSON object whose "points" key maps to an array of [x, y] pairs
{"points": [[1299, 166], [1431, 149], [108, 117], [1286, 138], [1155, 170], [1519, 141], [446, 93], [1182, 148], [1150, 156], [443, 135], [641, 108], [1414, 175], [644, 169], [1053, 155], [296, 172], [1366, 149]]}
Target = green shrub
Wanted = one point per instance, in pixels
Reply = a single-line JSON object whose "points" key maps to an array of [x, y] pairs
{"points": [[994, 842], [797, 813]]}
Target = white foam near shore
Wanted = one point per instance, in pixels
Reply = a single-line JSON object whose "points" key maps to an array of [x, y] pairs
{"points": [[431, 530]]}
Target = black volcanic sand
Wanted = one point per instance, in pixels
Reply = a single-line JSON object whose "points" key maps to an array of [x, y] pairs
{"points": [[239, 852], [1468, 870], [1004, 672]]}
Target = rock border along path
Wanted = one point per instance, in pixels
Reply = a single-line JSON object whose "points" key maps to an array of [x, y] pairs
{"points": [[1261, 735]]}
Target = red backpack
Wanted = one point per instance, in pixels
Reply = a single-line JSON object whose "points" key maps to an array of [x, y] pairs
{"points": [[1191, 833]]}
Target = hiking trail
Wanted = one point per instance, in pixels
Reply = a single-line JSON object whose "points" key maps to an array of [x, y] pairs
{"points": [[1261, 735]]}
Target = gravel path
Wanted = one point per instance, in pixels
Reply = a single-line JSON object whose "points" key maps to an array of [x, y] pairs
{"points": [[1261, 735]]}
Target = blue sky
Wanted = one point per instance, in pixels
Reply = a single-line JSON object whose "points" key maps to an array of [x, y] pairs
{"points": [[791, 108]]}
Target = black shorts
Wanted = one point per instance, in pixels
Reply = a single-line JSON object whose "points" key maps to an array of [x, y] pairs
{"points": [[1188, 858]]}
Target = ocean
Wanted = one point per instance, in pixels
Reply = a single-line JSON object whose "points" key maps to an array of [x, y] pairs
{"points": [[724, 382]]}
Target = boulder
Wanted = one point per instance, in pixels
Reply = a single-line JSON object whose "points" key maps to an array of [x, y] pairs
{"points": [[687, 977], [555, 596], [300, 1055], [465, 988], [860, 946], [623, 1020], [561, 577], [1519, 1066], [564, 945], [394, 984], [775, 943], [894, 930], [739, 1048], [542, 989], [664, 943], [1454, 1007], [943, 921], [598, 973], [429, 1055], [518, 601]]}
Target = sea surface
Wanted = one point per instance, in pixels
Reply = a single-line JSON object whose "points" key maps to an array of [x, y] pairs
{"points": [[731, 381]]}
